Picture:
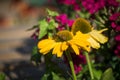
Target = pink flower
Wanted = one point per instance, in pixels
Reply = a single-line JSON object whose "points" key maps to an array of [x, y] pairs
{"points": [[117, 38], [77, 69], [93, 6], [70, 22], [113, 24], [117, 50], [113, 3], [76, 7], [114, 16], [77, 60], [62, 19], [118, 28], [115, 21], [117, 46]]}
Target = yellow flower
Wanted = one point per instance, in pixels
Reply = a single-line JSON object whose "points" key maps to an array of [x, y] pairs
{"points": [[64, 40], [96, 37]]}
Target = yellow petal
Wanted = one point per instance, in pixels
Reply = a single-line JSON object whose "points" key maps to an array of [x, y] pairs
{"points": [[102, 30], [83, 44], [80, 35], [48, 47], [44, 52], [43, 43], [75, 48], [59, 54], [93, 43], [98, 36], [56, 48], [64, 46]]}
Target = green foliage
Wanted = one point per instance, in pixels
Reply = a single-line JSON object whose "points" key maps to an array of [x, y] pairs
{"points": [[84, 14], [52, 24], [52, 76], [108, 75], [2, 76], [83, 73], [97, 74], [36, 57], [43, 25], [46, 27], [52, 13]]}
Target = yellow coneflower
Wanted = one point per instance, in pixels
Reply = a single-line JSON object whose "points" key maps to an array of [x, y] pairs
{"points": [[96, 37], [64, 40]]}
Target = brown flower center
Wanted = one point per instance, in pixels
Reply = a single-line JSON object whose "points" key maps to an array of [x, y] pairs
{"points": [[81, 25], [63, 36]]}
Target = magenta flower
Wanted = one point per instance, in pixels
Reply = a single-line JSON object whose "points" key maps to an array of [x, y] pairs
{"points": [[117, 47], [77, 69], [70, 22], [62, 19], [118, 28], [117, 50], [113, 3], [114, 16], [93, 6], [113, 24], [115, 21], [117, 38], [77, 60], [76, 7]]}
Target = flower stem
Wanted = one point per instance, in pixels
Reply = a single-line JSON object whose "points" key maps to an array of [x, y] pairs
{"points": [[89, 65], [71, 65]]}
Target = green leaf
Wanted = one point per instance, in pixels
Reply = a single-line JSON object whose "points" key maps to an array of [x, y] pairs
{"points": [[36, 56], [50, 34], [108, 75], [52, 13], [52, 24], [2, 76], [34, 50], [43, 28], [45, 77], [97, 74], [84, 14], [51, 76], [55, 76]]}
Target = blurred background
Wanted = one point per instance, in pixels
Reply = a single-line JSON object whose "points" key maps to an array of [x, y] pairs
{"points": [[16, 16]]}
